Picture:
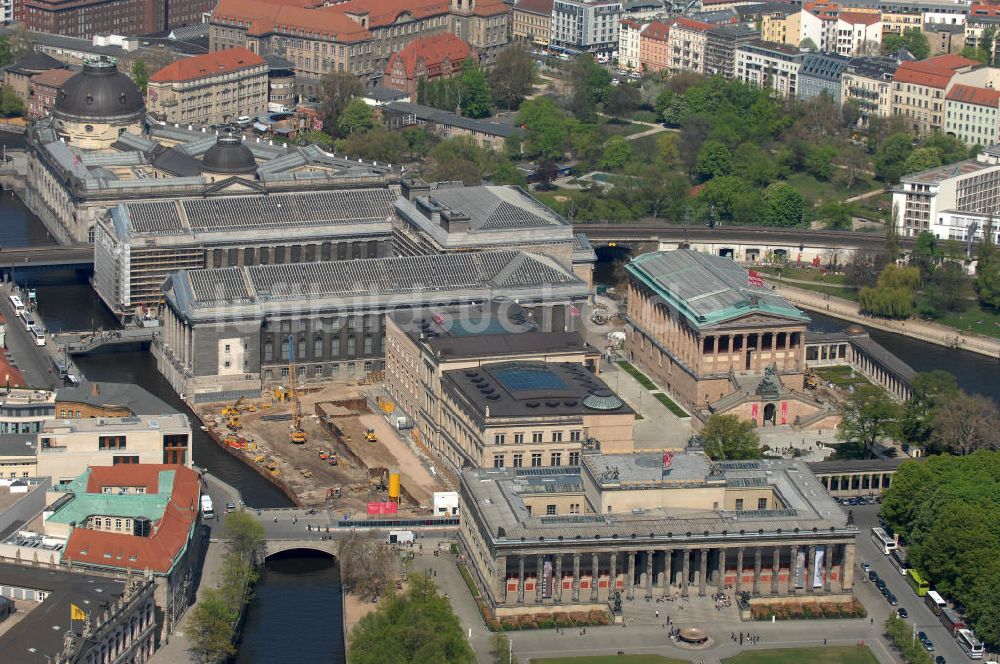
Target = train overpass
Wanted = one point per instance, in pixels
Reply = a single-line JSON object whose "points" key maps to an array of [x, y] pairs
{"points": [[55, 255], [742, 243]]}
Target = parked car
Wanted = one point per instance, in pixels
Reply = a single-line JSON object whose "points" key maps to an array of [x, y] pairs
{"points": [[866, 567], [922, 636], [892, 600], [230, 507], [902, 613], [928, 646], [873, 576], [939, 660]]}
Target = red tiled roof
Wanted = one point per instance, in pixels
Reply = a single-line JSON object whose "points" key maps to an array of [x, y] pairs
{"points": [[10, 374], [382, 13], [656, 30], [860, 18], [490, 8], [170, 534], [207, 64], [691, 24], [535, 6], [265, 17], [934, 72], [52, 77], [969, 94], [824, 10], [145, 475], [984, 10], [432, 50]]}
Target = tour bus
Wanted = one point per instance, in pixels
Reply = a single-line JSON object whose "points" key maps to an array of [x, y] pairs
{"points": [[935, 602], [898, 560], [38, 334], [951, 620], [207, 510], [918, 583], [968, 642], [884, 543], [18, 305]]}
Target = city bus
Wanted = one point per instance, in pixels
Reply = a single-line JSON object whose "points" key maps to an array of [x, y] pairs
{"points": [[968, 642], [898, 560], [918, 583], [935, 602], [951, 620], [18, 305], [882, 541], [38, 334]]}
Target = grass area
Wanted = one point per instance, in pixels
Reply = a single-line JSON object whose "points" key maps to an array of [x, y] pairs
{"points": [[845, 293], [976, 319], [469, 581], [841, 376], [827, 655], [618, 127], [638, 375], [816, 191], [612, 659], [642, 115], [671, 406], [804, 274]]}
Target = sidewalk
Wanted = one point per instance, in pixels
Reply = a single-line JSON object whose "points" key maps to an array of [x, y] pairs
{"points": [[658, 429]]}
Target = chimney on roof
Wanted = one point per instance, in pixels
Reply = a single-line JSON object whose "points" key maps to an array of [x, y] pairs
{"points": [[96, 390]]}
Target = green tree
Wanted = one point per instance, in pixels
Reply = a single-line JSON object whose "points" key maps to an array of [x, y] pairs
{"points": [[318, 137], [475, 91], [868, 415], [732, 198], [921, 159], [891, 157], [458, 158], [783, 205], [6, 54], [974, 53], [417, 626], [819, 162], [674, 111], [10, 103], [356, 117], [512, 76], [245, 535], [927, 255], [808, 44], [927, 390], [506, 172], [728, 438], [950, 148], [754, 165], [337, 89], [912, 39], [714, 160], [547, 129], [835, 214], [140, 74], [385, 147], [617, 153], [988, 270], [623, 99], [367, 564], [210, 628], [893, 295], [422, 90]]}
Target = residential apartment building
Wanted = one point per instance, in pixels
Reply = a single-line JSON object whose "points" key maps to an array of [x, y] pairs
{"points": [[687, 43], [43, 88], [818, 24], [720, 48], [72, 18], [782, 26], [980, 19], [947, 200], [212, 88], [919, 90], [654, 47], [629, 44], [896, 23], [769, 65], [867, 82], [586, 26], [531, 21], [971, 114], [429, 59], [858, 33], [945, 38], [821, 74]]}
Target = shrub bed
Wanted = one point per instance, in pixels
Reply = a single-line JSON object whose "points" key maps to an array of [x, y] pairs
{"points": [[807, 611]]}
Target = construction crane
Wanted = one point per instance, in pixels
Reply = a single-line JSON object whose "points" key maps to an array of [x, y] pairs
{"points": [[296, 433]]}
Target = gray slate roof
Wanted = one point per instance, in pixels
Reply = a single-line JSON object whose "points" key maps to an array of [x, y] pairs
{"points": [[429, 114]]}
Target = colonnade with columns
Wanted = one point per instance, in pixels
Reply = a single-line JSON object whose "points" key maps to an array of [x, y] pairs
{"points": [[587, 577]]}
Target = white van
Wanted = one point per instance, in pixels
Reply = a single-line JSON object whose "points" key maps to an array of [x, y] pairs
{"points": [[244, 121], [207, 510]]}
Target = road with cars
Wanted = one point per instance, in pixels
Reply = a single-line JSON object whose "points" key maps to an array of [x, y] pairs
{"points": [[918, 615]]}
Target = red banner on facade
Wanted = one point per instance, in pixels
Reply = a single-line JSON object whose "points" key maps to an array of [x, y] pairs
{"points": [[382, 509], [784, 412]]}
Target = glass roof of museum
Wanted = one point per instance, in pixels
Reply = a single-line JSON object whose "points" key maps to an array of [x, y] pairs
{"points": [[528, 378]]}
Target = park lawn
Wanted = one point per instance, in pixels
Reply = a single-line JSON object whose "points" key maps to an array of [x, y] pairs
{"points": [[638, 375], [841, 376], [619, 127], [826, 655], [642, 115], [844, 293], [669, 403], [612, 659], [804, 274], [816, 191], [975, 319]]}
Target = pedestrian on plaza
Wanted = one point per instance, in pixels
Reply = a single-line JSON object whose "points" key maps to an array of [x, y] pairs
{"points": [[824, 642], [295, 520], [276, 519], [741, 638], [657, 613]]}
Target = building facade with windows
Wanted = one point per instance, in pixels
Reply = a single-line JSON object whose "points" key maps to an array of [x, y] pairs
{"points": [[971, 114], [212, 88], [858, 33], [919, 90], [637, 526], [720, 48], [531, 21], [687, 45], [654, 46], [583, 25], [867, 82], [43, 89], [769, 65], [821, 73], [428, 59], [630, 44], [71, 18]]}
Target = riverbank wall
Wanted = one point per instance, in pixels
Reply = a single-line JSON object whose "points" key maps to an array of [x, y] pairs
{"points": [[934, 333], [214, 435]]}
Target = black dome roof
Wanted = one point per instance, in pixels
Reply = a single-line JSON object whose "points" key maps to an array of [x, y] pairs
{"points": [[99, 91], [229, 155]]}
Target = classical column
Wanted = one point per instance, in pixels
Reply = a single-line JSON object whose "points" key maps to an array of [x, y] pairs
{"points": [[702, 571], [649, 573], [827, 556], [685, 570], [775, 569], [520, 579], [847, 578], [739, 569], [539, 577], [557, 595], [630, 581], [613, 575], [810, 573], [756, 571], [793, 568], [576, 577], [501, 579], [665, 579], [722, 569], [594, 575]]}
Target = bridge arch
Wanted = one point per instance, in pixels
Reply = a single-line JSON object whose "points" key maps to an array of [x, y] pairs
{"points": [[290, 549]]}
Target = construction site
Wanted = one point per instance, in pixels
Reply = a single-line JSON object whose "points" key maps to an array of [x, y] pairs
{"points": [[329, 448]]}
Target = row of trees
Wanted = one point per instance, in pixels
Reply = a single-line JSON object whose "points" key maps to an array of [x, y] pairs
{"points": [[947, 509], [213, 621]]}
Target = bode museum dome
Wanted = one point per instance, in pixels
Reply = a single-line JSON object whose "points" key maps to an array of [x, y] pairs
{"points": [[97, 105]]}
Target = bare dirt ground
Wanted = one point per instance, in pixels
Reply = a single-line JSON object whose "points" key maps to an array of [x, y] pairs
{"points": [[310, 477]]}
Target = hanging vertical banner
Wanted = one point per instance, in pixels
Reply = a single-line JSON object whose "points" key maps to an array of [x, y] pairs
{"points": [[800, 568], [547, 579], [784, 412], [820, 571], [753, 412]]}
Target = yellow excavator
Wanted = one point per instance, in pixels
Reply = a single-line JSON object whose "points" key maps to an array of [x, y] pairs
{"points": [[296, 433]]}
